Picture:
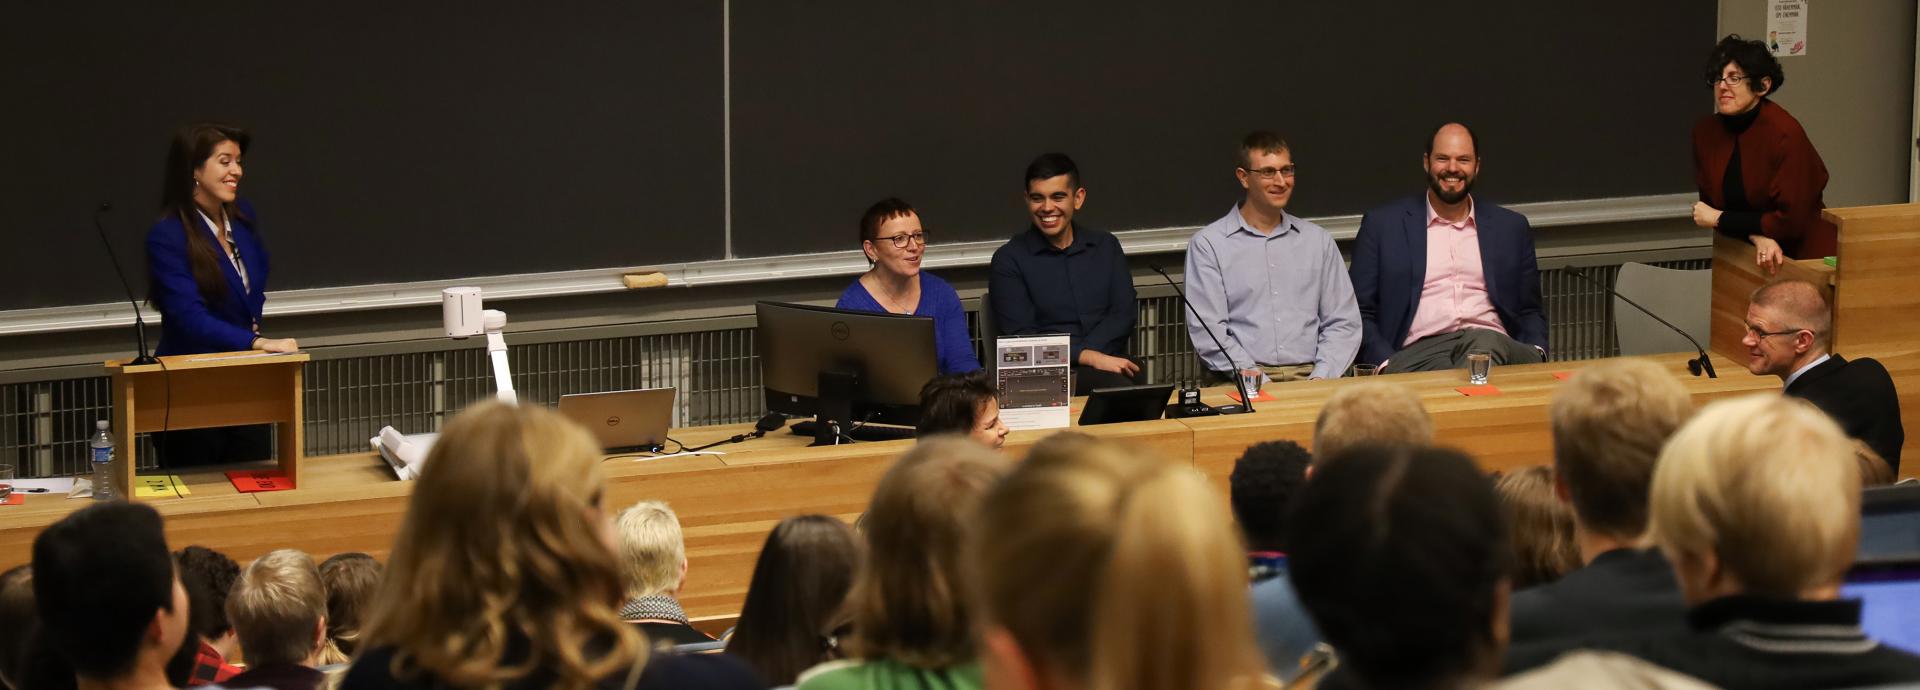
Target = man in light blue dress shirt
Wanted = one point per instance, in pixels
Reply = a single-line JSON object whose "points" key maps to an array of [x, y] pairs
{"points": [[1272, 286]]}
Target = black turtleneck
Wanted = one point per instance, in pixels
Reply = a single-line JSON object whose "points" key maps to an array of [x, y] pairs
{"points": [[1738, 219]]}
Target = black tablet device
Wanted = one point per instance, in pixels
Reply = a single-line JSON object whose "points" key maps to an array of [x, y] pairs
{"points": [[1126, 404]]}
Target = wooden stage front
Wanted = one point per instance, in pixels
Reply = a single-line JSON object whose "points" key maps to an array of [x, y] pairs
{"points": [[728, 503]]}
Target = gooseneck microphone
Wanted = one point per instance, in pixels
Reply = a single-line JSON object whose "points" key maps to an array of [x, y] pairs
{"points": [[139, 323], [1697, 365], [1238, 385]]}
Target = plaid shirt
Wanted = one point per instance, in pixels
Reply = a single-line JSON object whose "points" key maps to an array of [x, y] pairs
{"points": [[209, 667]]}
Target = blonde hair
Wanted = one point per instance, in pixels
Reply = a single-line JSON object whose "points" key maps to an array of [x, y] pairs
{"points": [[1539, 527], [1115, 570], [351, 580], [276, 608], [500, 548], [1767, 484], [1374, 412], [906, 603], [1609, 423], [651, 548]]}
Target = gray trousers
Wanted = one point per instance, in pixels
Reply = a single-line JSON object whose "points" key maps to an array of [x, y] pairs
{"points": [[1449, 351]]}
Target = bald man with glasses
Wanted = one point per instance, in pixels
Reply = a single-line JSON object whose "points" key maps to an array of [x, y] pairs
{"points": [[1789, 335]]}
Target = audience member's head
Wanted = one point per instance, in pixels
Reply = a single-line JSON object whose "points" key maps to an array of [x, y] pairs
{"points": [[1609, 423], [1399, 554], [213, 572], [1757, 495], [506, 547], [17, 618], [1539, 527], [1097, 566], [906, 603], [1370, 413], [962, 404], [351, 579], [792, 613], [653, 554], [1788, 326], [1264, 480], [114, 609], [1874, 470], [279, 610]]}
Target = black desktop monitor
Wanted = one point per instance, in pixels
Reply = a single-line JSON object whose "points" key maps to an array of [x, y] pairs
{"points": [[844, 368]]}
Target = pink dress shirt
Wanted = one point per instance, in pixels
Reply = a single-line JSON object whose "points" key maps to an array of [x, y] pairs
{"points": [[1454, 295]]}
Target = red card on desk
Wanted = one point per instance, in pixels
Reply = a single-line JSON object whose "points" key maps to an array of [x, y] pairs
{"points": [[1562, 375], [252, 481], [1478, 390], [1262, 397], [16, 498]]}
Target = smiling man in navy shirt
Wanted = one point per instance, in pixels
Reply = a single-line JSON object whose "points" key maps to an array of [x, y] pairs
{"points": [[1059, 276]]}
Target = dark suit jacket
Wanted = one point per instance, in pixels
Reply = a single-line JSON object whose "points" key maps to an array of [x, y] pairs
{"points": [[190, 323], [1623, 592], [1860, 396], [1390, 267]]}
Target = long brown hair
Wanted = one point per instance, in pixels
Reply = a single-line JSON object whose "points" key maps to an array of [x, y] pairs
{"points": [[500, 550], [1114, 569], [795, 599], [1539, 526], [192, 145], [908, 605]]}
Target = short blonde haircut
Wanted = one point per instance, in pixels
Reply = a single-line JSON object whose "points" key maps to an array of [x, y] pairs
{"points": [[651, 549], [1767, 484], [1609, 423], [276, 608], [1374, 412], [1113, 569]]}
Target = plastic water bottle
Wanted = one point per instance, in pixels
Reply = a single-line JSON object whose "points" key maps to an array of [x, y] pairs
{"points": [[102, 445]]}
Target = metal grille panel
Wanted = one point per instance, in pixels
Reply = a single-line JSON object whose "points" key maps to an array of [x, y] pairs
{"points": [[44, 425]]}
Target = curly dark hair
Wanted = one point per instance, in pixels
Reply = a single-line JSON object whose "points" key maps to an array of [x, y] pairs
{"points": [[214, 574], [1264, 479], [1754, 60]]}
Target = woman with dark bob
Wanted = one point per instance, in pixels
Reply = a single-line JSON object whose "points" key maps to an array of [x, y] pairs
{"points": [[1760, 178]]}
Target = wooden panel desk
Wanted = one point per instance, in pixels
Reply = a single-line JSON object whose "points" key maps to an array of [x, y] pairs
{"points": [[208, 390], [728, 503]]}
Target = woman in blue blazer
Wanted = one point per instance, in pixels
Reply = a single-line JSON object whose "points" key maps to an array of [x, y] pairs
{"points": [[208, 277], [207, 266]]}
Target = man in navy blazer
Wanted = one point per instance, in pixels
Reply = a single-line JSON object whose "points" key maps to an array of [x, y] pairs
{"points": [[1439, 275]]}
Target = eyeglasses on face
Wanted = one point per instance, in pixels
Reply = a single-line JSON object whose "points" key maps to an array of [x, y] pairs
{"points": [[900, 241], [1730, 80], [1758, 334], [1268, 173]]}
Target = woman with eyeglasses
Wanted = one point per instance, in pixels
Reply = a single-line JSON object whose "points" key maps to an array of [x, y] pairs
{"points": [[1760, 178], [894, 241]]}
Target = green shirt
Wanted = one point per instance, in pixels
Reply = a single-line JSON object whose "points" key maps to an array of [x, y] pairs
{"points": [[883, 674]]}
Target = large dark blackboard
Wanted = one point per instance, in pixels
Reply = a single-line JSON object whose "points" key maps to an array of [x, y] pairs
{"points": [[837, 104], [393, 141], [401, 141]]}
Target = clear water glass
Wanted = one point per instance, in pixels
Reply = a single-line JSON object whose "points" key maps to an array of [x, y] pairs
{"points": [[1479, 366]]}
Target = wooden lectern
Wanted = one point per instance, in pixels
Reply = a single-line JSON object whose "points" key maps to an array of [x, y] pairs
{"points": [[210, 390], [1874, 289]]}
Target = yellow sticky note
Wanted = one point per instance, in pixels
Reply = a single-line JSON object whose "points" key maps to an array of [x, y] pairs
{"points": [[149, 486]]}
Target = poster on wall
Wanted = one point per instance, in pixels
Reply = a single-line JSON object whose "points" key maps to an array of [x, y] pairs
{"points": [[1787, 27]]}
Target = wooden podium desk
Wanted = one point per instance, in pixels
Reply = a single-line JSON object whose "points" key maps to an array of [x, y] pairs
{"points": [[728, 503], [203, 391]]}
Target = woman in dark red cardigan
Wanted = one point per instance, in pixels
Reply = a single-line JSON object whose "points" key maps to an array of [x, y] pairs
{"points": [[1759, 176]]}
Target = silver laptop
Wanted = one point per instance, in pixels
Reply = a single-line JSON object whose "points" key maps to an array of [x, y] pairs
{"points": [[623, 421]]}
